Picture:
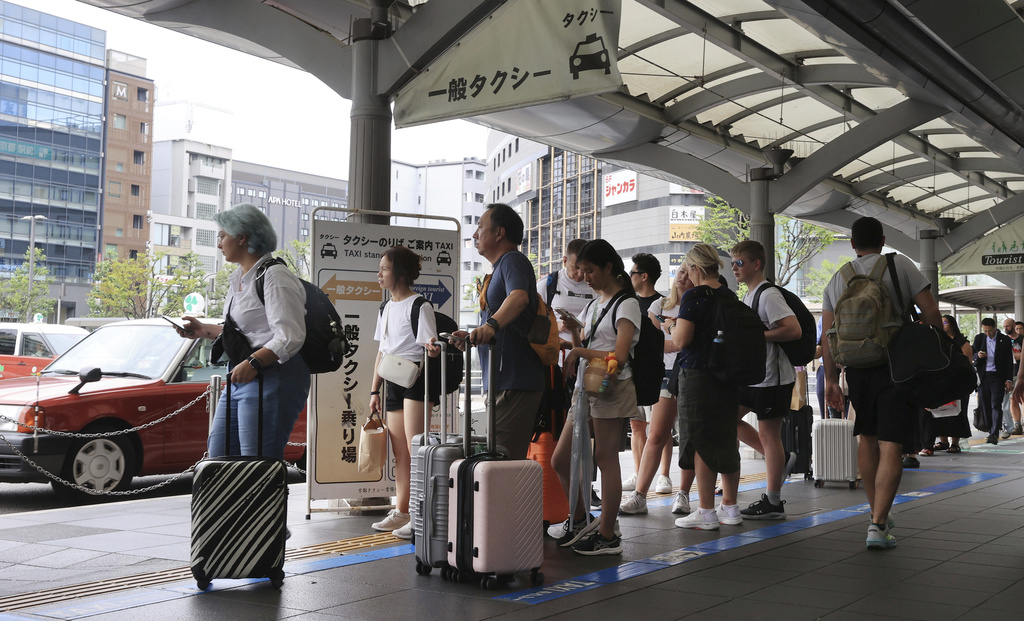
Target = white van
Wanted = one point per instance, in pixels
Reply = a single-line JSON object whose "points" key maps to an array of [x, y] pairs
{"points": [[24, 346]]}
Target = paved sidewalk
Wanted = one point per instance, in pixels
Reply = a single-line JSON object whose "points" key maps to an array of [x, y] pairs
{"points": [[960, 556]]}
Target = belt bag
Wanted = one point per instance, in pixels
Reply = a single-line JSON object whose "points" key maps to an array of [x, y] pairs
{"points": [[398, 370]]}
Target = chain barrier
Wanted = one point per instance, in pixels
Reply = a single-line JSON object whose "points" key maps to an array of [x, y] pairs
{"points": [[98, 492], [110, 434]]}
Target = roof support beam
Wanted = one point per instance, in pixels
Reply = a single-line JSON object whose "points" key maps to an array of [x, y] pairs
{"points": [[866, 136], [428, 33], [315, 50], [757, 55], [885, 181]]}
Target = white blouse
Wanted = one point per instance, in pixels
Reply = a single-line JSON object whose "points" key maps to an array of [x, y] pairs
{"points": [[280, 324]]}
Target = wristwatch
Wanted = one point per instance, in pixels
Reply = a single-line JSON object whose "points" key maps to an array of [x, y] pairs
{"points": [[491, 321], [255, 363]]}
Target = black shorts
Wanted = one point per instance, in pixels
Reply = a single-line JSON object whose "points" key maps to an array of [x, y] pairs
{"points": [[396, 395], [882, 410], [767, 401]]}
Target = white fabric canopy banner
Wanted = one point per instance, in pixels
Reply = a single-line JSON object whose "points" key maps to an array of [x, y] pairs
{"points": [[999, 251], [571, 51]]}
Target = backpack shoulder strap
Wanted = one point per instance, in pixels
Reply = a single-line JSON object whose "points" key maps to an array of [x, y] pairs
{"points": [[552, 286], [757, 295], [612, 304], [890, 263], [259, 276], [415, 318], [848, 272]]}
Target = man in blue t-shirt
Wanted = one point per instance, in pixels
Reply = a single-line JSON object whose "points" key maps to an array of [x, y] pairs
{"points": [[511, 304]]}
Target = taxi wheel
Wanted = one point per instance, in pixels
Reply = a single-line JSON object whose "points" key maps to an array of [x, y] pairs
{"points": [[102, 464]]}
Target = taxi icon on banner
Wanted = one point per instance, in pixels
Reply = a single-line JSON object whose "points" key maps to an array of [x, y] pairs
{"points": [[590, 55], [328, 250], [443, 258]]}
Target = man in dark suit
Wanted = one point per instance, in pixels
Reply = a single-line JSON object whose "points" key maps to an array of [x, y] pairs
{"points": [[993, 357]]}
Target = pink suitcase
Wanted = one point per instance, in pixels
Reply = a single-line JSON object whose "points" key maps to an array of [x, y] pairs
{"points": [[495, 513]]}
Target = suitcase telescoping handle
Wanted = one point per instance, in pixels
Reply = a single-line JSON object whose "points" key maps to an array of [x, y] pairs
{"points": [[442, 400], [259, 417], [467, 431]]}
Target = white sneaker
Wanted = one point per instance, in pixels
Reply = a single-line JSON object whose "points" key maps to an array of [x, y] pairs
{"points": [[698, 521], [729, 514], [404, 532], [636, 503], [629, 484], [681, 504], [395, 519], [663, 485]]}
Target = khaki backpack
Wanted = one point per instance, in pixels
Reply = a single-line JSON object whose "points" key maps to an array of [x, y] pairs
{"points": [[865, 318]]}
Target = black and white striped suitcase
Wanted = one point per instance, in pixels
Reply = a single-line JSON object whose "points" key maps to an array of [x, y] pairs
{"points": [[239, 513]]}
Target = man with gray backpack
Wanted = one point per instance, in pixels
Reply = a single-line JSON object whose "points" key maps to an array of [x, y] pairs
{"points": [[862, 309]]}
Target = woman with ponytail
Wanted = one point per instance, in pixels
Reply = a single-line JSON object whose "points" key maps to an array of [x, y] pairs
{"points": [[604, 333]]}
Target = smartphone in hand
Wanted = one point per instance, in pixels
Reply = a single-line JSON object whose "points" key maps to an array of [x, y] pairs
{"points": [[177, 323]]}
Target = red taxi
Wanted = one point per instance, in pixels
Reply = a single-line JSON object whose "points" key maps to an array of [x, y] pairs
{"points": [[142, 371]]}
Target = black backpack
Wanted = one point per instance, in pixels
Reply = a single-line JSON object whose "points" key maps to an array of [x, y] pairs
{"points": [[453, 357], [800, 351], [325, 345], [735, 349], [648, 357]]}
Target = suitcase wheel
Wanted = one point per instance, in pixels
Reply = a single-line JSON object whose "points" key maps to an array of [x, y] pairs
{"points": [[489, 583], [819, 483], [421, 569], [277, 578], [202, 581], [536, 578]]}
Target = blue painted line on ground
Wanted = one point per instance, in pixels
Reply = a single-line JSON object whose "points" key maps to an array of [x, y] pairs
{"points": [[729, 542], [330, 563], [88, 609], [534, 595]]}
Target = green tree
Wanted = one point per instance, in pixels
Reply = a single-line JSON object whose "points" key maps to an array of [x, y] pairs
{"points": [[297, 256], [723, 225], [14, 294], [215, 305], [818, 277], [187, 276], [797, 242], [141, 287]]}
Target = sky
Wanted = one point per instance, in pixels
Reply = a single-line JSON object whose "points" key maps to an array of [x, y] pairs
{"points": [[282, 117]]}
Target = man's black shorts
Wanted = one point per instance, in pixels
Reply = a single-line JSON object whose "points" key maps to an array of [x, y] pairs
{"points": [[767, 401], [881, 409]]}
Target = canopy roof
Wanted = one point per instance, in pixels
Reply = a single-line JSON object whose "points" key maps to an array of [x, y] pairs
{"points": [[901, 109]]}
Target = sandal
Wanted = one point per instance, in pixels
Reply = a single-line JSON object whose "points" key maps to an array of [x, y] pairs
{"points": [[940, 446], [953, 449]]}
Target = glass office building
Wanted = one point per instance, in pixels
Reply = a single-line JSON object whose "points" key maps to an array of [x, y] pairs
{"points": [[51, 140]]}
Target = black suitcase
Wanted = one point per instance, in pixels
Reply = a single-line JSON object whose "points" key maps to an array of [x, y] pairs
{"points": [[239, 512], [796, 438]]}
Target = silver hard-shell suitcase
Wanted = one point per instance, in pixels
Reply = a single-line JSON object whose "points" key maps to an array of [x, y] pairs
{"points": [[428, 496], [834, 452]]}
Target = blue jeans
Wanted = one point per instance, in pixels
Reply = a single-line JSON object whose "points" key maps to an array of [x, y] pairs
{"points": [[285, 389]]}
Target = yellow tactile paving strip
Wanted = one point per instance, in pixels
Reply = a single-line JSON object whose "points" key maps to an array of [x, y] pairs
{"points": [[102, 587]]}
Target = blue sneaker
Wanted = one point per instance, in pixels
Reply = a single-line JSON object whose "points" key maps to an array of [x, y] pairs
{"points": [[878, 539]]}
